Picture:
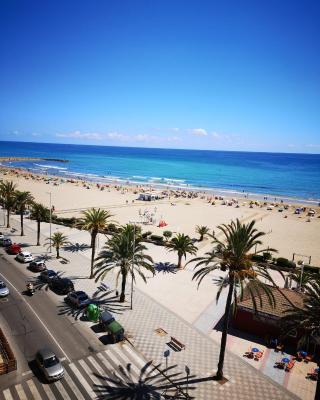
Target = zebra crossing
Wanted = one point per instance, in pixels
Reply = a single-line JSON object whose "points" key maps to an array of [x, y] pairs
{"points": [[92, 377]]}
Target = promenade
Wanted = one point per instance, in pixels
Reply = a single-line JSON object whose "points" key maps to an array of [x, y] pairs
{"points": [[149, 327]]}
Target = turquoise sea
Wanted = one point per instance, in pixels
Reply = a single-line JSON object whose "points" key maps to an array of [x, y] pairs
{"points": [[295, 176]]}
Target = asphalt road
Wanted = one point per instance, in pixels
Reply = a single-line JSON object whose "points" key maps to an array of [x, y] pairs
{"points": [[33, 322]]}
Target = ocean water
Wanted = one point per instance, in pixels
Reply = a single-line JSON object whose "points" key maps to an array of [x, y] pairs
{"points": [[295, 176]]}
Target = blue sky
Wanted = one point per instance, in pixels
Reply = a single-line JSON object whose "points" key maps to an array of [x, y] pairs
{"points": [[236, 75]]}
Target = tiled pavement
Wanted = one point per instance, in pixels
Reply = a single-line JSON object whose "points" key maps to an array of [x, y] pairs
{"points": [[201, 352], [96, 376]]}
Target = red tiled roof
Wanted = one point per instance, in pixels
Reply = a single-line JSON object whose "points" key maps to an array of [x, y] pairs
{"points": [[281, 304]]}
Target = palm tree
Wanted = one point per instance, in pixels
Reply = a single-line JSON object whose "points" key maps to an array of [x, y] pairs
{"points": [[94, 220], [202, 231], [40, 213], [7, 195], [22, 200], [125, 252], [57, 240], [235, 258], [183, 245], [306, 320]]}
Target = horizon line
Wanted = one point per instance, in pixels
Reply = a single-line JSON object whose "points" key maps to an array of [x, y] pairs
{"points": [[160, 148]]}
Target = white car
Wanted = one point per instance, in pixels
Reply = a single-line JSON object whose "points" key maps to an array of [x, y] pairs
{"points": [[4, 291], [25, 257]]}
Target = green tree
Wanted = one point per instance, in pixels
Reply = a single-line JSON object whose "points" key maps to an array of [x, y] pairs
{"points": [[57, 240], [183, 245], [234, 256], [306, 320], [167, 235], [202, 231], [23, 199], [7, 195], [40, 213], [94, 220], [126, 253]]}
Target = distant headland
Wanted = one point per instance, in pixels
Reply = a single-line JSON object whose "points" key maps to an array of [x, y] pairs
{"points": [[32, 159]]}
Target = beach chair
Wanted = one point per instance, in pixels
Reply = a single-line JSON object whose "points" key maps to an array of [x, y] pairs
{"points": [[258, 355], [290, 365]]}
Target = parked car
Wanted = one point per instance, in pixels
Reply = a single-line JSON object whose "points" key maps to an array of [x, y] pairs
{"points": [[5, 241], [78, 298], [4, 291], [49, 365], [1, 237], [47, 275], [14, 249], [24, 257], [37, 266], [111, 326], [61, 285]]}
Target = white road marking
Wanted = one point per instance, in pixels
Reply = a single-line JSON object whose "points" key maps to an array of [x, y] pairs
{"points": [[33, 390], [48, 391], [37, 316], [26, 373], [7, 394], [115, 370], [21, 392], [86, 367], [83, 382], [62, 390], [73, 387]]}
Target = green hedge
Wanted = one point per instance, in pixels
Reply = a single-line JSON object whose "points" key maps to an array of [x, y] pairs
{"points": [[284, 262], [156, 238]]}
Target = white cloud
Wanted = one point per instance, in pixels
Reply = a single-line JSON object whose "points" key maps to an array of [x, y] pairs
{"points": [[35, 134], [313, 146], [117, 136], [79, 135], [215, 134], [199, 132], [174, 129], [15, 133]]}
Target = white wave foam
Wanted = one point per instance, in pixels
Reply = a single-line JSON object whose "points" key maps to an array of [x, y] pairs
{"points": [[50, 166]]}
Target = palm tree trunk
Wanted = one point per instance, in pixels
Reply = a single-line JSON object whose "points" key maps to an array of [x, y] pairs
{"points": [[21, 223], [226, 320], [8, 217], [38, 233], [123, 288], [179, 261], [58, 254], [93, 251]]}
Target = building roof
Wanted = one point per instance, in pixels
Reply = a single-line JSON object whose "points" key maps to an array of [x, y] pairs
{"points": [[281, 304]]}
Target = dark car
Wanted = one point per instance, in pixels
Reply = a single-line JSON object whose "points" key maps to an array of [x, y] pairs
{"points": [[6, 242], [14, 249], [37, 266], [47, 275], [61, 285]]}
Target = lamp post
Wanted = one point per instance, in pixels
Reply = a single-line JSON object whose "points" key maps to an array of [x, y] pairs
{"points": [[49, 193], [187, 369], [301, 274], [133, 245]]}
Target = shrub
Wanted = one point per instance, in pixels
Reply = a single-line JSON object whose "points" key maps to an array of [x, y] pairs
{"points": [[257, 257], [156, 238], [146, 234], [311, 268], [267, 256], [284, 262]]}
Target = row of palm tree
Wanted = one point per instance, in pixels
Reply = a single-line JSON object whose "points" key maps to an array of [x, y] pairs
{"points": [[13, 199]]}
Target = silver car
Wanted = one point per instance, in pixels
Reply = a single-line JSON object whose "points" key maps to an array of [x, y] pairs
{"points": [[4, 291], [49, 364]]}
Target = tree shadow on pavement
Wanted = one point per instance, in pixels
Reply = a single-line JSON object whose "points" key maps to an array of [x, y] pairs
{"points": [[151, 383], [76, 247], [105, 300], [166, 268]]}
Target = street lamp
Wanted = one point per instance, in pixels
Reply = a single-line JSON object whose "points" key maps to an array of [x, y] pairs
{"points": [[187, 369], [133, 245], [49, 193]]}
